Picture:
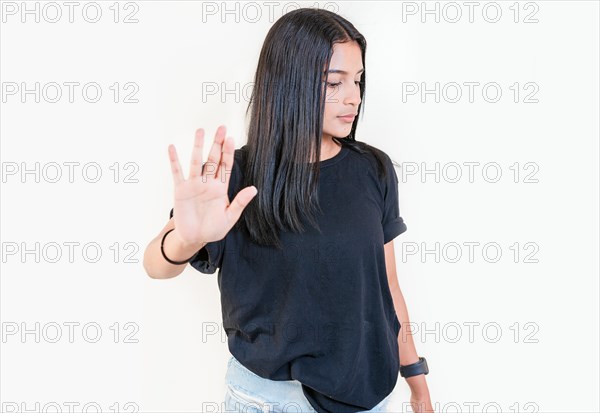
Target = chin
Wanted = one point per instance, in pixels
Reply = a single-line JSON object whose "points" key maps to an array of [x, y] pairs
{"points": [[342, 134]]}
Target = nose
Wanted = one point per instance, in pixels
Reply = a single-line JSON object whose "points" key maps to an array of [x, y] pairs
{"points": [[353, 96]]}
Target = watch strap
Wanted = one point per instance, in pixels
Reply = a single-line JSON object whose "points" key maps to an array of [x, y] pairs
{"points": [[420, 367]]}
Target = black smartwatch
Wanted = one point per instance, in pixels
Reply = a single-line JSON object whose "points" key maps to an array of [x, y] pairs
{"points": [[420, 367]]}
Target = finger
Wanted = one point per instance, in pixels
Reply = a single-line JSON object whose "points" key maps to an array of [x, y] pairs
{"points": [[241, 200], [196, 163], [175, 166], [214, 156], [226, 163]]}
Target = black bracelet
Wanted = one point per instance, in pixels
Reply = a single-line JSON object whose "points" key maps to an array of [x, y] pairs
{"points": [[167, 258], [419, 367]]}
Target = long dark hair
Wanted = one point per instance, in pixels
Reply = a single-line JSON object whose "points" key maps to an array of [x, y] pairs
{"points": [[286, 122]]}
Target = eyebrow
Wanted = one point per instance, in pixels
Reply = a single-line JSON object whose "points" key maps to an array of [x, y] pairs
{"points": [[343, 71]]}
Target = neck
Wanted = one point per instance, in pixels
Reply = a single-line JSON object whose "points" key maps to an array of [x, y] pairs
{"points": [[329, 148]]}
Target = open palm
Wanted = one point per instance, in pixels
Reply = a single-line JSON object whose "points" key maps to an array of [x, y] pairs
{"points": [[202, 211]]}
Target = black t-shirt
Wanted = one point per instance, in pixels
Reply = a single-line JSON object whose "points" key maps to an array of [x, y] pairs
{"points": [[319, 311]]}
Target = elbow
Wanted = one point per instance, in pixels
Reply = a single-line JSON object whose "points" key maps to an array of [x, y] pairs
{"points": [[154, 274], [147, 264], [156, 267], [159, 274], [148, 270]]}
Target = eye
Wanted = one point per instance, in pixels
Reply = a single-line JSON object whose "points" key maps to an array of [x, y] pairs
{"points": [[357, 82]]}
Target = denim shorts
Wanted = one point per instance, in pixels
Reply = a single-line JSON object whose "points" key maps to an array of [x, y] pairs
{"points": [[250, 393]]}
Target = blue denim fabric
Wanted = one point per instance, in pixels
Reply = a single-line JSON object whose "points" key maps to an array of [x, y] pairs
{"points": [[250, 393]]}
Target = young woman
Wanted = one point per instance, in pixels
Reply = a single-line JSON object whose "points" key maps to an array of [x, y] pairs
{"points": [[310, 298]]}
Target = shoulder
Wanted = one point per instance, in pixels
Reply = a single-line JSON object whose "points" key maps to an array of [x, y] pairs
{"points": [[372, 158], [236, 172], [240, 155]]}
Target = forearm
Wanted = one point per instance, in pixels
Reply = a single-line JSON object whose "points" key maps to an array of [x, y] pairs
{"points": [[155, 264], [406, 344]]}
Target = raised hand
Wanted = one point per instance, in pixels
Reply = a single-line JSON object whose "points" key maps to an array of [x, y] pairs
{"points": [[202, 211]]}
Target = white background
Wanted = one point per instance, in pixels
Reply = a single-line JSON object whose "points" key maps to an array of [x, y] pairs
{"points": [[545, 311]]}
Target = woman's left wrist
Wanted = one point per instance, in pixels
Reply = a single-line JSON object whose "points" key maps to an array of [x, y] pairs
{"points": [[418, 385]]}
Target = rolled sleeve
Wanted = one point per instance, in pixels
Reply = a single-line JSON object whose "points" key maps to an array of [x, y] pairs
{"points": [[392, 223], [208, 259]]}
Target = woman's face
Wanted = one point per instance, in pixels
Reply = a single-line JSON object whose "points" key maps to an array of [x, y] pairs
{"points": [[343, 89]]}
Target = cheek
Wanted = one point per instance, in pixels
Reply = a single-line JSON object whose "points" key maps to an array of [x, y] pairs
{"points": [[331, 104], [331, 96], [328, 111]]}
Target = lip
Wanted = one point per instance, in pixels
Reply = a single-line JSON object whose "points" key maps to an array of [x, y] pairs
{"points": [[347, 118]]}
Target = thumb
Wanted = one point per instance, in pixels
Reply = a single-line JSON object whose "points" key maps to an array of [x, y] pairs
{"points": [[241, 201]]}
